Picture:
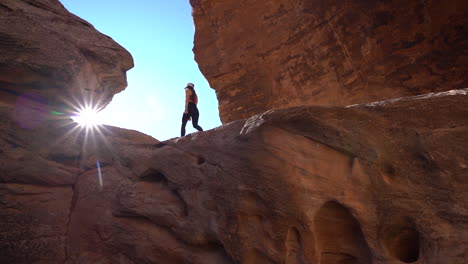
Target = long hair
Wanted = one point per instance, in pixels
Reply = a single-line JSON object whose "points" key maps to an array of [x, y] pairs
{"points": [[194, 96]]}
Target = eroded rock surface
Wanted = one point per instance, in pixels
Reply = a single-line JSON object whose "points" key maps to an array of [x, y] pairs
{"points": [[375, 183], [52, 54], [381, 183], [262, 55]]}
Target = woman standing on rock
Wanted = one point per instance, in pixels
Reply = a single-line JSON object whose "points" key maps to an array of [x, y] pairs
{"points": [[191, 110]]}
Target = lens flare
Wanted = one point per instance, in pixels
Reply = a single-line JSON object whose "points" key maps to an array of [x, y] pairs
{"points": [[88, 118]]}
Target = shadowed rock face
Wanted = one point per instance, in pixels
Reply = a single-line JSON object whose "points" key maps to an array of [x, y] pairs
{"points": [[53, 54], [261, 55]]}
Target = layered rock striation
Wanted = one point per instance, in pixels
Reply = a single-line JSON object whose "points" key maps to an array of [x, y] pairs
{"points": [[261, 55]]}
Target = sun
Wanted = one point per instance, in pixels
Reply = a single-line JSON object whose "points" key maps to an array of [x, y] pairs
{"points": [[88, 118]]}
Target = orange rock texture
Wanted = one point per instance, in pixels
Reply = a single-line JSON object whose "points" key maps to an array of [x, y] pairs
{"points": [[365, 184], [57, 56], [378, 183], [268, 54]]}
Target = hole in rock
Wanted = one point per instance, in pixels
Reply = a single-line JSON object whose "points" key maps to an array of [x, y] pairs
{"points": [[390, 170], [152, 175], [403, 244], [339, 237], [200, 160]]}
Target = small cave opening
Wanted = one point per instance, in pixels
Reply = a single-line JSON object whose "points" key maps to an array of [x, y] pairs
{"points": [[403, 243], [152, 175], [339, 237], [200, 160]]}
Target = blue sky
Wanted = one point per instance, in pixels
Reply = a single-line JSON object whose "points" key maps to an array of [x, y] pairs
{"points": [[159, 35]]}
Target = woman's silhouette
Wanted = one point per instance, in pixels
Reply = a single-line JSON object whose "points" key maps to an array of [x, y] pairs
{"points": [[191, 110]]}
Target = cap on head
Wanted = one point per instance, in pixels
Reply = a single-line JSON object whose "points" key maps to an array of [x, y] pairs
{"points": [[191, 85]]}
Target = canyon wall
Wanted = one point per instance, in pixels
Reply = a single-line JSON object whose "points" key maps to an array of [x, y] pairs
{"points": [[268, 54], [377, 183]]}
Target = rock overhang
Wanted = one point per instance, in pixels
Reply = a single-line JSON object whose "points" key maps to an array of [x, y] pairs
{"points": [[58, 56]]}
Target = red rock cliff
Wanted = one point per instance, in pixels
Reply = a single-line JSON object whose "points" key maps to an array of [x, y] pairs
{"points": [[261, 55], [379, 183]]}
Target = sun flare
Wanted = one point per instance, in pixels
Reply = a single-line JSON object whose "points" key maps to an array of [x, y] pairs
{"points": [[88, 118]]}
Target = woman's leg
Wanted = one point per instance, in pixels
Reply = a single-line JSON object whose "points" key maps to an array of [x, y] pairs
{"points": [[193, 111], [185, 118]]}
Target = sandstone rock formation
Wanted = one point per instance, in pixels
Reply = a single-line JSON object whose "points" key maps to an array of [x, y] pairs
{"points": [[261, 55], [364, 184], [57, 56], [380, 183]]}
